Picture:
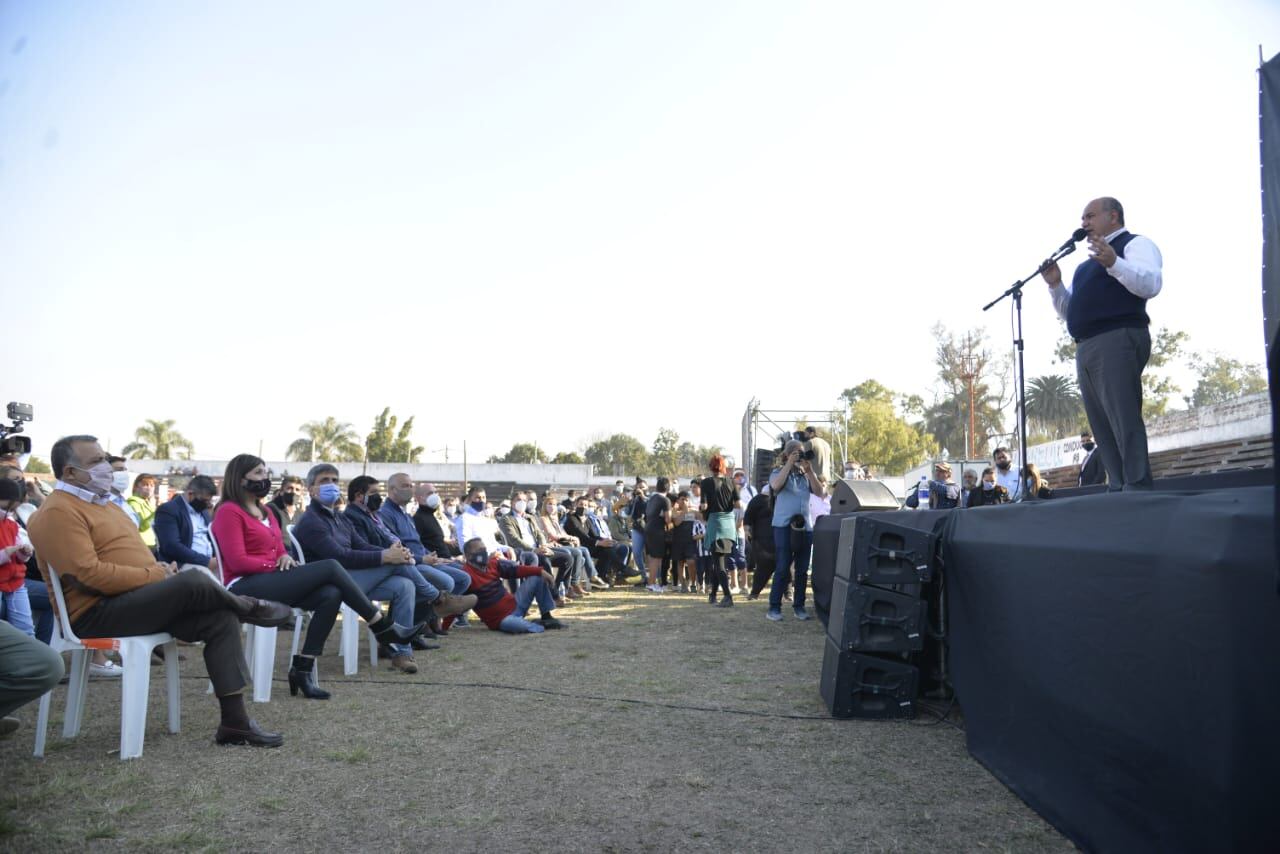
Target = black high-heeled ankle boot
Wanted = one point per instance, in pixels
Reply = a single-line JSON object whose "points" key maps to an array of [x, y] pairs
{"points": [[302, 677], [388, 631]]}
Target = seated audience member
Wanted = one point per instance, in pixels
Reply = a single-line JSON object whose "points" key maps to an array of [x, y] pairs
{"points": [[943, 491], [990, 493], [182, 526], [381, 573], [143, 504], [531, 544], [473, 522], [287, 502], [28, 670], [580, 526], [434, 528], [548, 522], [440, 570], [602, 521], [1036, 486], [114, 587], [15, 551], [635, 512], [497, 608], [258, 564], [119, 494]]}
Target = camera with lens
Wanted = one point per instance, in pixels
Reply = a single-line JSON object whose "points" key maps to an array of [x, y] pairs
{"points": [[797, 522], [10, 443]]}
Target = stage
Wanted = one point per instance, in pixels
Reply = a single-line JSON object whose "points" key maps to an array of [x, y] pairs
{"points": [[1116, 657]]}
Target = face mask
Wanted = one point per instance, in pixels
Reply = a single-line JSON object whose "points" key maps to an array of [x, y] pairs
{"points": [[258, 488], [120, 481], [199, 504], [521, 506], [373, 502], [100, 478], [580, 511], [477, 506], [288, 498], [329, 493], [433, 501], [479, 559], [1088, 446], [988, 485]]}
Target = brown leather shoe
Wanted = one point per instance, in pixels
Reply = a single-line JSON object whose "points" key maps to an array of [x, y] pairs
{"points": [[448, 605], [262, 612], [255, 736], [404, 663]]}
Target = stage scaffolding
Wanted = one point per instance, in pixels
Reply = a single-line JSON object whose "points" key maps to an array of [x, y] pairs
{"points": [[761, 429]]}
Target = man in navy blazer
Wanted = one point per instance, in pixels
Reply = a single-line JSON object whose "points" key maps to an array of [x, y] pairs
{"points": [[182, 526]]}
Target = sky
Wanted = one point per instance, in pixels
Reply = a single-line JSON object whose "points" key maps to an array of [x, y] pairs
{"points": [[554, 221]]}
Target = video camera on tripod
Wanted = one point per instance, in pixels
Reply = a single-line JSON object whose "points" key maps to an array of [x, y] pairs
{"points": [[10, 442]]}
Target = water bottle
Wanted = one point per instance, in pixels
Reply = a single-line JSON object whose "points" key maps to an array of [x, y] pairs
{"points": [[922, 492], [561, 591]]}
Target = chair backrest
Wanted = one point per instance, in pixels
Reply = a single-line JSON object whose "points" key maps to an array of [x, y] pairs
{"points": [[297, 547], [64, 622], [217, 552]]}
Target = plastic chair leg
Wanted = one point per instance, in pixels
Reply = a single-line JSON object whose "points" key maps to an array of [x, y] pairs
{"points": [[77, 687], [173, 677], [350, 641], [42, 722], [135, 686], [264, 661], [373, 650]]}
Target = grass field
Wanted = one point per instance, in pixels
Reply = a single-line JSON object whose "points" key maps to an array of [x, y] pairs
{"points": [[651, 723]]}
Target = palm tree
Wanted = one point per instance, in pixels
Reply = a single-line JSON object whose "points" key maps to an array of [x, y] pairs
{"points": [[329, 439], [1053, 404], [157, 440]]}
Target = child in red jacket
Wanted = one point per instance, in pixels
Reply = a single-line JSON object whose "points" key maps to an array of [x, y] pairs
{"points": [[15, 607], [496, 606]]}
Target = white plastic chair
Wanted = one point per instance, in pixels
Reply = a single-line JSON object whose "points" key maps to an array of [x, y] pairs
{"points": [[135, 653], [260, 643], [349, 639]]}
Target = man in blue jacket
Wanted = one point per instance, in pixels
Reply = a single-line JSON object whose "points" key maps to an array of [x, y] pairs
{"points": [[182, 526]]}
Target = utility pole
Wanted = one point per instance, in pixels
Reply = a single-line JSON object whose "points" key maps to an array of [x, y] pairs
{"points": [[970, 373], [466, 484]]}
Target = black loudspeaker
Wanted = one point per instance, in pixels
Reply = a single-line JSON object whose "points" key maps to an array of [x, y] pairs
{"points": [[851, 495], [869, 619], [764, 465], [888, 554], [857, 685]]}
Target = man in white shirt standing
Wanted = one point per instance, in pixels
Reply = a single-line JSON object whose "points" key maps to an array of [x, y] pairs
{"points": [[1006, 475], [1106, 313]]}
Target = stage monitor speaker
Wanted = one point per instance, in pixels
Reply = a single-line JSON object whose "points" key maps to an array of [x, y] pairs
{"points": [[855, 685], [851, 495], [869, 619], [884, 553], [764, 465]]}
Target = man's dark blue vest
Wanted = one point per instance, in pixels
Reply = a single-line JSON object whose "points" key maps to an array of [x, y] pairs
{"points": [[1099, 303]]}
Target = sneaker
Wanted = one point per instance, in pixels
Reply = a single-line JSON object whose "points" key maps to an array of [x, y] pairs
{"points": [[654, 588], [110, 670], [461, 622], [801, 614], [684, 588], [751, 597], [774, 615], [599, 583], [551, 623]]}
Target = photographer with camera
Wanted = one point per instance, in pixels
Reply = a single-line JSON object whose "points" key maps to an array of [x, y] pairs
{"points": [[791, 483]]}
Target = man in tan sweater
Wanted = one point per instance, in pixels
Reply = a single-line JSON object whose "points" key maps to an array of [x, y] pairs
{"points": [[114, 587]]}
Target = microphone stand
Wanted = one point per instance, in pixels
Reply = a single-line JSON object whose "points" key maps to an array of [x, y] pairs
{"points": [[1015, 291]]}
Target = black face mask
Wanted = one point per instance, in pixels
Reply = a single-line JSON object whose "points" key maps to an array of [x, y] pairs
{"points": [[580, 511], [199, 504], [1088, 446], [478, 559], [258, 488], [373, 502], [1004, 466], [287, 498]]}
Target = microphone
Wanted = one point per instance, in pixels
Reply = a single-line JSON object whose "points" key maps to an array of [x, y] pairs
{"points": [[1076, 236]]}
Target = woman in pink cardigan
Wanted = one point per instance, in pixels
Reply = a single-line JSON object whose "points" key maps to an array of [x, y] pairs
{"points": [[255, 561]]}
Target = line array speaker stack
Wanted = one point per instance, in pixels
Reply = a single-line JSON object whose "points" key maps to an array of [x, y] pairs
{"points": [[879, 621]]}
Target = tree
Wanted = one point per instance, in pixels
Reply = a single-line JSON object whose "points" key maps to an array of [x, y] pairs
{"points": [[157, 440], [567, 458], [958, 360], [1054, 407], [387, 445], [879, 434], [619, 454], [692, 459], [521, 452], [329, 440], [1222, 379], [1157, 388], [665, 458], [35, 465]]}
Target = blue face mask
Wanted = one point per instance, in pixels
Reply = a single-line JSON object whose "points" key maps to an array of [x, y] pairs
{"points": [[329, 494]]}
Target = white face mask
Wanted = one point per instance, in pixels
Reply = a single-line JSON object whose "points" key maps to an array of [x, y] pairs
{"points": [[120, 481], [521, 506], [433, 501]]}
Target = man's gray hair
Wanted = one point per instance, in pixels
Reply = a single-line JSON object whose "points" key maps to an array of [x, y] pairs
{"points": [[319, 469]]}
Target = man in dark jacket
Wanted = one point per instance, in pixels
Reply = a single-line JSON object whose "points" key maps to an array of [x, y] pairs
{"points": [[435, 536], [757, 526], [576, 524], [182, 526]]}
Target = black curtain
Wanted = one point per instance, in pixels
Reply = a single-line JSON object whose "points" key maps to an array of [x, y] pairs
{"points": [[1269, 118]]}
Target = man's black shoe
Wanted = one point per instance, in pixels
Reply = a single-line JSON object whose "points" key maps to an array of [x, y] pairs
{"points": [[551, 623], [420, 643]]}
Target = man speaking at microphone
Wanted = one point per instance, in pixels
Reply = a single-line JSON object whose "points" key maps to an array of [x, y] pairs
{"points": [[1106, 313]]}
